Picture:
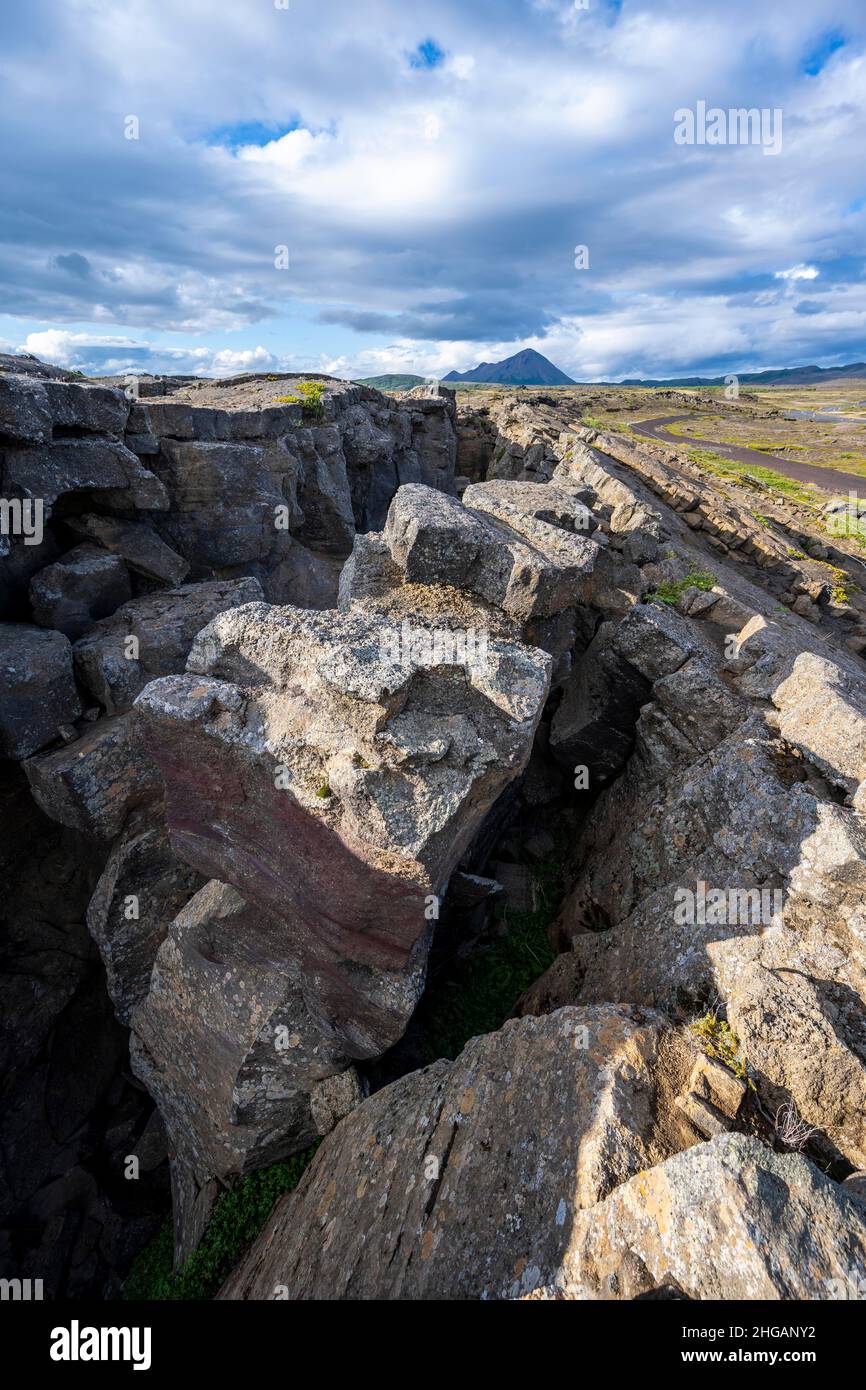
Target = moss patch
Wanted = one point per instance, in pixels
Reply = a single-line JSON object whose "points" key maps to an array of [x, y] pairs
{"points": [[672, 591], [237, 1219]]}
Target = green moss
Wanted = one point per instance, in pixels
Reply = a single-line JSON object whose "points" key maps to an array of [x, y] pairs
{"points": [[324, 792], [237, 1219], [492, 980], [672, 591]]}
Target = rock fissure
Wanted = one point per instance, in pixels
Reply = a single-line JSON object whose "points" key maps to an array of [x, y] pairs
{"points": [[319, 715]]}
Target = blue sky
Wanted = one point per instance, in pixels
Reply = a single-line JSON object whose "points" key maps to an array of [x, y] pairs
{"points": [[429, 169]]}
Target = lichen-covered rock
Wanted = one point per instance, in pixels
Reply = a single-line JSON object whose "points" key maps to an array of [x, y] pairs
{"points": [[796, 1001], [162, 627], [94, 782], [84, 585], [726, 1220], [823, 711], [436, 540], [225, 1042], [37, 689], [464, 1180]]}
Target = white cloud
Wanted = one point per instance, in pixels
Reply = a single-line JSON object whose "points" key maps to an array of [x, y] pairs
{"points": [[66, 349], [449, 198], [799, 272]]}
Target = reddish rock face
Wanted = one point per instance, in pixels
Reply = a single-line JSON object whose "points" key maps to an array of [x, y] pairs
{"points": [[322, 907], [336, 788]]}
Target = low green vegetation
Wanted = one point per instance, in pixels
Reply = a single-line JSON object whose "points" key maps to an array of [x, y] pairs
{"points": [[672, 591], [711, 462], [489, 984], [720, 1042], [238, 1218], [309, 394], [843, 584]]}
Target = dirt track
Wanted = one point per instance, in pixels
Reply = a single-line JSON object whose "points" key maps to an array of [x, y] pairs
{"points": [[827, 479]]}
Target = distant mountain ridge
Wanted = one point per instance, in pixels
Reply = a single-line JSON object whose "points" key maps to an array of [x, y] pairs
{"points": [[783, 376], [530, 368], [527, 368], [396, 381]]}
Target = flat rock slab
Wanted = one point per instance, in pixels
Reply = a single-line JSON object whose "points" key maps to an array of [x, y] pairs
{"points": [[464, 1180]]}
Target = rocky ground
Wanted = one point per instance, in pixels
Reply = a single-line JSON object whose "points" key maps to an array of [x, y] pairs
{"points": [[300, 685]]}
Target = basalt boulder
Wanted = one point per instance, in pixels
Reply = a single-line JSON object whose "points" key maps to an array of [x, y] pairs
{"points": [[357, 773]]}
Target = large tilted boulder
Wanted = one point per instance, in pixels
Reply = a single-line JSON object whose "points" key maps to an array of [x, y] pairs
{"points": [[227, 1047], [463, 1180], [163, 627], [37, 688], [552, 1159], [357, 773]]}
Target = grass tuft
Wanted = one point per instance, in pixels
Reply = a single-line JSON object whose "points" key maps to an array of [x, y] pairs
{"points": [[237, 1219]]}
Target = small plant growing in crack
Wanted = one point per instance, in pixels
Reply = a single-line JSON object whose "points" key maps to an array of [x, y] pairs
{"points": [[324, 792], [310, 395], [720, 1042]]}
